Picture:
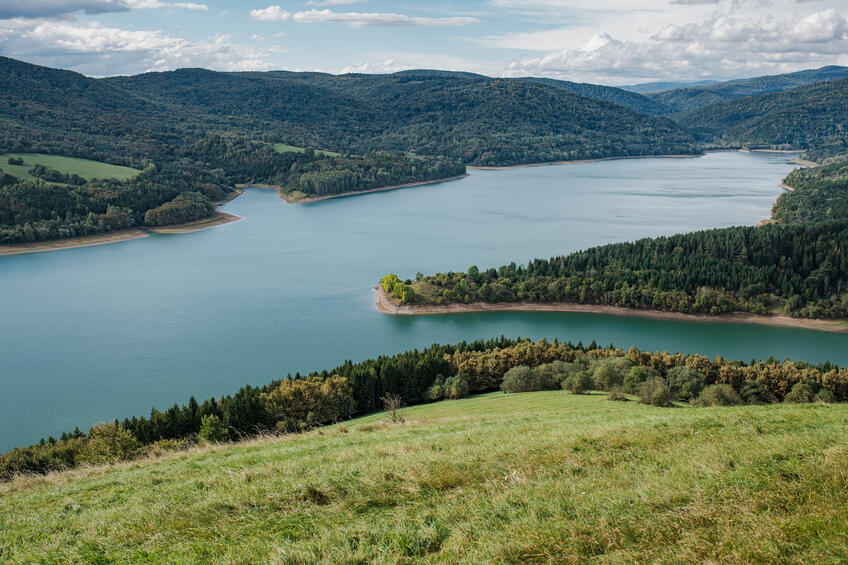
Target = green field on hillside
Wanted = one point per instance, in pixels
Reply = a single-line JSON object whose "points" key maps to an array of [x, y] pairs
{"points": [[533, 477], [85, 168], [283, 148]]}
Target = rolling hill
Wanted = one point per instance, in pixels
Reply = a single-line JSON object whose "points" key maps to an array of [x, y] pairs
{"points": [[518, 478], [688, 99], [812, 116], [628, 99], [479, 120]]}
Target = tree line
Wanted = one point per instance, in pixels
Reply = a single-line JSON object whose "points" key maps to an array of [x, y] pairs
{"points": [[798, 269], [36, 211], [300, 402], [316, 173], [185, 189]]}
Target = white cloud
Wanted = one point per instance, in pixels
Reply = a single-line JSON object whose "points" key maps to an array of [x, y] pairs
{"points": [[271, 14], [730, 40], [334, 2], [100, 50], [140, 4], [191, 6], [826, 25], [356, 19]]}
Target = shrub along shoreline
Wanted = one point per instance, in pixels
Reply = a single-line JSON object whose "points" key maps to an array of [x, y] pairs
{"points": [[300, 402]]}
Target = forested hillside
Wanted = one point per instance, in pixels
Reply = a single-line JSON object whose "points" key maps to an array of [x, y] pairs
{"points": [[626, 98], [681, 100], [315, 173], [475, 119], [819, 193], [806, 117], [37, 211], [797, 269]]}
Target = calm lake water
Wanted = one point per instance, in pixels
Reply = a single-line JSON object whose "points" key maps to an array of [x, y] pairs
{"points": [[95, 333]]}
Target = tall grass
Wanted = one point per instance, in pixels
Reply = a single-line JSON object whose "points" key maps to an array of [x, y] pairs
{"points": [[534, 477]]}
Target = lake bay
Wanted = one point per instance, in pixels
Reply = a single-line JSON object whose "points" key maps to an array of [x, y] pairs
{"points": [[97, 333]]}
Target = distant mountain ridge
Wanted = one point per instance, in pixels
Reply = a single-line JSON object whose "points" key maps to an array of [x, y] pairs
{"points": [[687, 99], [813, 116], [464, 116], [476, 119], [660, 86], [628, 99]]}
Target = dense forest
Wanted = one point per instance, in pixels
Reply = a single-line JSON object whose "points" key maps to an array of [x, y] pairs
{"points": [[681, 100], [185, 190], [315, 173], [300, 402], [35, 211], [806, 117], [478, 120], [819, 193], [626, 98], [795, 269]]}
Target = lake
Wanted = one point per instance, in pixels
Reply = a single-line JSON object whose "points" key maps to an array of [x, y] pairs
{"points": [[97, 333]]}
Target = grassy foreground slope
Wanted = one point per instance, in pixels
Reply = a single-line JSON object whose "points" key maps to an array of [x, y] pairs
{"points": [[534, 477]]}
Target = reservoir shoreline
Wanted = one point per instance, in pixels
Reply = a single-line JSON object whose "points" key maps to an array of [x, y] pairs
{"points": [[219, 219], [388, 306], [308, 199], [222, 218]]}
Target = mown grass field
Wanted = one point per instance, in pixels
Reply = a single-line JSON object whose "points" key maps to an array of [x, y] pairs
{"points": [[85, 168], [534, 477]]}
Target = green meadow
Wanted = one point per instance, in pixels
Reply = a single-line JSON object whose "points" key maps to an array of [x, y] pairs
{"points": [[284, 148], [532, 477], [85, 168]]}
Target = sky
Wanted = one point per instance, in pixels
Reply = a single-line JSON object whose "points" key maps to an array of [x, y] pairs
{"points": [[614, 42]]}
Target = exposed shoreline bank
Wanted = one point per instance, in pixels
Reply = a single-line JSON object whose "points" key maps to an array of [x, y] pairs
{"points": [[219, 219], [581, 161], [308, 199], [386, 305]]}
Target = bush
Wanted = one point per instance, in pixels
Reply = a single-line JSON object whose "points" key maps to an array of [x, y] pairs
{"points": [[393, 403], [212, 429], [801, 392], [718, 395], [753, 392], [436, 391], [654, 391], [107, 443], [636, 376], [552, 375], [165, 446], [578, 382], [456, 387], [618, 395], [521, 379], [610, 372], [824, 396], [16, 160], [685, 383]]}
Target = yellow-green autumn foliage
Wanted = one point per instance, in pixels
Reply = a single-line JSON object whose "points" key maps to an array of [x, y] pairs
{"points": [[397, 288], [485, 369], [301, 403]]}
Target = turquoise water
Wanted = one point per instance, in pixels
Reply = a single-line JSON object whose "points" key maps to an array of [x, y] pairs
{"points": [[95, 333]]}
